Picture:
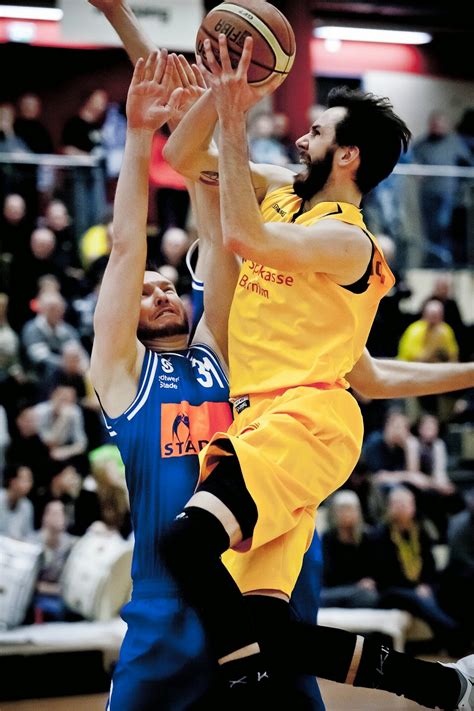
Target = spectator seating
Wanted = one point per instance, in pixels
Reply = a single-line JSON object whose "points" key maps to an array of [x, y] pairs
{"points": [[397, 624]]}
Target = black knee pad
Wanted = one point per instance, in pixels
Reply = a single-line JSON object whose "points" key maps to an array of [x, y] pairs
{"points": [[227, 483], [270, 619], [194, 536]]}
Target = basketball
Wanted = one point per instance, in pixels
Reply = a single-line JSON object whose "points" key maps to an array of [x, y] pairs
{"points": [[274, 43]]}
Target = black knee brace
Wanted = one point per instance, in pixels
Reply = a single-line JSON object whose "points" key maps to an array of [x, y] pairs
{"points": [[226, 482], [191, 549]]}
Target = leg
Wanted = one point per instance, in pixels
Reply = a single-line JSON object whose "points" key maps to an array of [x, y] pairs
{"points": [[426, 608], [349, 596], [191, 549], [349, 658]]}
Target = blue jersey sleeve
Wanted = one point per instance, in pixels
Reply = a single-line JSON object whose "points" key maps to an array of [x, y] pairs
{"points": [[197, 285]]}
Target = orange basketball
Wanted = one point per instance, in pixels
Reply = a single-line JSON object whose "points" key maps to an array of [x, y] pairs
{"points": [[273, 38]]}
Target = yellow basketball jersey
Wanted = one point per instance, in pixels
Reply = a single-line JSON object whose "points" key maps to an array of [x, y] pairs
{"points": [[288, 329]]}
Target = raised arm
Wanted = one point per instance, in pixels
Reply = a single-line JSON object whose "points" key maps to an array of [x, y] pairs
{"points": [[382, 378], [192, 152], [218, 268], [340, 250], [117, 353], [122, 18]]}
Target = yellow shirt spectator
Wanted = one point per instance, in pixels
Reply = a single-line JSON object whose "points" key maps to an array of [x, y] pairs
{"points": [[430, 339]]}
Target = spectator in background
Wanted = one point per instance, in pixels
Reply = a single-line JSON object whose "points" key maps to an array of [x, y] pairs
{"points": [[441, 146], [10, 141], [15, 232], [443, 291], [465, 130], [16, 510], [109, 476], [383, 340], [12, 376], [44, 336], [384, 451], [171, 197], [461, 223], [386, 456], [404, 567], [394, 457], [9, 342], [82, 505], [171, 273], [84, 311], [28, 124], [56, 546], [82, 136], [174, 247], [263, 145], [427, 453], [457, 591], [16, 178], [61, 425], [281, 131], [82, 132], [66, 254], [73, 371], [26, 272], [4, 440], [347, 560], [96, 242], [27, 447], [114, 130], [429, 340], [385, 207], [314, 112]]}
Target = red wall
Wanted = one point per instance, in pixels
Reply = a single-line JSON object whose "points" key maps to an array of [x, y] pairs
{"points": [[355, 58]]}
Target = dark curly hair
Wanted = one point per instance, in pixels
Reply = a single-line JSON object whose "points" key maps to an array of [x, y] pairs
{"points": [[372, 125]]}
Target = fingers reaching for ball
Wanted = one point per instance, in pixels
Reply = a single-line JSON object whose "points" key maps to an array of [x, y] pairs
{"points": [[229, 84]]}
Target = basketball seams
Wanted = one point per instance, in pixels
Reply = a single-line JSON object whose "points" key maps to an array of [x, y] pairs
{"points": [[269, 27], [254, 62], [264, 30], [290, 36], [234, 51], [284, 23]]}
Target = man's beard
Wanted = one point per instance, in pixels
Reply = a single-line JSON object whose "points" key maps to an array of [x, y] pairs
{"points": [[172, 329], [311, 181]]}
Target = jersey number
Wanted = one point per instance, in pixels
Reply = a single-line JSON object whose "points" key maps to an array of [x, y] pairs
{"points": [[207, 371]]}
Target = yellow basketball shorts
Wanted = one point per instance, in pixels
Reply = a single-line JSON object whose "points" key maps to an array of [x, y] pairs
{"points": [[294, 449]]}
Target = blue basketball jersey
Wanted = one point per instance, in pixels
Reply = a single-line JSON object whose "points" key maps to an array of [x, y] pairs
{"points": [[197, 296], [181, 401]]}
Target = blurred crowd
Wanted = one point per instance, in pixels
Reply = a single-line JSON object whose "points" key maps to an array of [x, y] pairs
{"points": [[411, 490]]}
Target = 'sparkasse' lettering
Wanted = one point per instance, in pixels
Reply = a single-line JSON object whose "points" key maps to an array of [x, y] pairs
{"points": [[270, 275]]}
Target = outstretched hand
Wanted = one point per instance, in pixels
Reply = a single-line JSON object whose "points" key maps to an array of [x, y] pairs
{"points": [[190, 86], [149, 92], [230, 88]]}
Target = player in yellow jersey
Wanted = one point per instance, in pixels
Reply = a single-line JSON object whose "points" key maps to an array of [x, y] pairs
{"points": [[311, 279]]}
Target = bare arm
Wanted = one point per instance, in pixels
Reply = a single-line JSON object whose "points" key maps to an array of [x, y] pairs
{"points": [[121, 17], [117, 353], [191, 151], [383, 378], [335, 248], [220, 272], [217, 267]]}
